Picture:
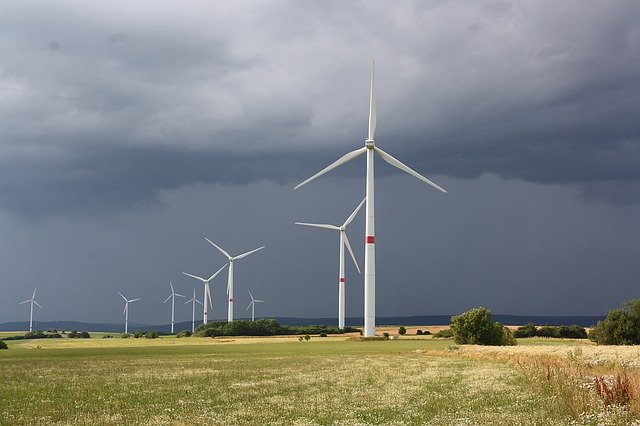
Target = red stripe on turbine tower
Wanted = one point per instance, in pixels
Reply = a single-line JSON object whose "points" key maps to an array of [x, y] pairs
{"points": [[342, 280], [371, 239]]}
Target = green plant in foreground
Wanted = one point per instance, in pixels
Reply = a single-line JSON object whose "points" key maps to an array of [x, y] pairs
{"points": [[3, 345], [402, 331]]}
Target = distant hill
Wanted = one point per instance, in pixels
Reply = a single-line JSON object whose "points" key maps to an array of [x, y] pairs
{"points": [[584, 321]]}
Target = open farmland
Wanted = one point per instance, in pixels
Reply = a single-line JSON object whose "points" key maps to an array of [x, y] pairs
{"points": [[280, 381]]}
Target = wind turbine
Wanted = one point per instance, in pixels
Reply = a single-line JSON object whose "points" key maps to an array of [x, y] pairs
{"points": [[207, 292], [193, 310], [344, 241], [172, 296], [31, 302], [252, 305], [369, 248], [126, 311], [231, 259]]}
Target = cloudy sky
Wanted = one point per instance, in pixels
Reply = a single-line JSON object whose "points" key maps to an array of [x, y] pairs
{"points": [[130, 131]]}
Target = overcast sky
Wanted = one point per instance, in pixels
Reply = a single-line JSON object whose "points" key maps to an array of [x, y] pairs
{"points": [[130, 131]]}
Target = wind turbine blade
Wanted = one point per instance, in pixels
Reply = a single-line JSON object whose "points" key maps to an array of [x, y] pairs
{"points": [[34, 294], [240, 256], [346, 243], [217, 272], [214, 244], [171, 284], [126, 308], [396, 163], [319, 225], [197, 301], [179, 295], [355, 212], [259, 301], [122, 296], [38, 304], [167, 299], [26, 301], [249, 306], [134, 300], [209, 297], [250, 295], [340, 161], [372, 103], [194, 276]]}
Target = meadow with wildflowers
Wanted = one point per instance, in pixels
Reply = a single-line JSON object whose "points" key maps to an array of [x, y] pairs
{"points": [[286, 381]]}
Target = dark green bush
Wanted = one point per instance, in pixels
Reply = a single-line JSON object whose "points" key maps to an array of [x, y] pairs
{"points": [[418, 332], [125, 335], [476, 327], [36, 334], [402, 331], [184, 333], [107, 336], [151, 335], [79, 335], [138, 334], [323, 334], [3, 345], [386, 335], [447, 333], [528, 330], [620, 327], [307, 337]]}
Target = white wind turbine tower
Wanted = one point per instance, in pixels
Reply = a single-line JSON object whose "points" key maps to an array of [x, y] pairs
{"points": [[344, 241], [126, 311], [193, 301], [231, 259], [369, 248], [252, 305], [207, 292], [31, 302], [172, 296]]}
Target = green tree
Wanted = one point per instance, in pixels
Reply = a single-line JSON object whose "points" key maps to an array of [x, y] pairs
{"points": [[402, 330], [3, 345], [620, 327], [476, 327], [528, 330]]}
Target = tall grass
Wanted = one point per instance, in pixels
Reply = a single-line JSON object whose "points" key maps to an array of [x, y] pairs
{"points": [[588, 384]]}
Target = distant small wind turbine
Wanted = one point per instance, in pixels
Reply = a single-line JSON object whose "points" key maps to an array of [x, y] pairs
{"points": [[207, 292], [252, 305], [370, 149], [31, 302], [231, 259], [172, 296], [126, 311], [344, 241], [193, 310]]}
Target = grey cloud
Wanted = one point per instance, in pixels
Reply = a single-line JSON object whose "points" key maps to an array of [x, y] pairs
{"points": [[523, 91]]}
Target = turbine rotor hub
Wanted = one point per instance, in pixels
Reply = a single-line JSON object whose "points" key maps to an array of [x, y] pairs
{"points": [[369, 143]]}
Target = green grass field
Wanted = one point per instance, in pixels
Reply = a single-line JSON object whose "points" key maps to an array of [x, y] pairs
{"points": [[204, 381]]}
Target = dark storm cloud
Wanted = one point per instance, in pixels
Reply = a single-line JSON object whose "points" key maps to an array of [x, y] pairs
{"points": [[129, 107]]}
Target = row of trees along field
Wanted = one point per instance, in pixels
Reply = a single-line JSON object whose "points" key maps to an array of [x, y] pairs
{"points": [[476, 327], [473, 327]]}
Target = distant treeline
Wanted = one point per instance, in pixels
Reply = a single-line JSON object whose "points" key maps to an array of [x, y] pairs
{"points": [[562, 331], [35, 335], [264, 327]]}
